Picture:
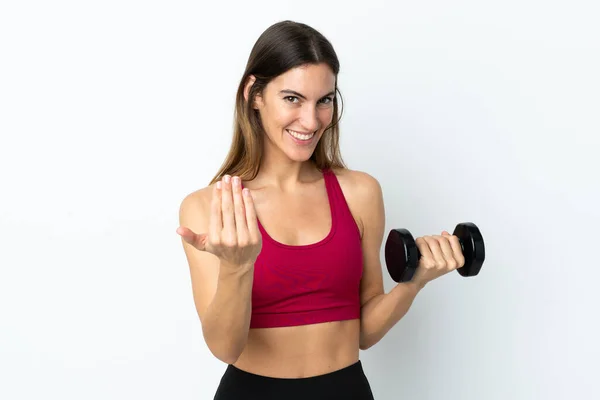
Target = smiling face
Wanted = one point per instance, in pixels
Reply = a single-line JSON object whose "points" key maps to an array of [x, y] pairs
{"points": [[296, 108]]}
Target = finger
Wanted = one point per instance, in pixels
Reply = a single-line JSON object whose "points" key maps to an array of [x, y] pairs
{"points": [[229, 231], [251, 218], [447, 252], [436, 251], [239, 212], [216, 218], [457, 250], [425, 251]]}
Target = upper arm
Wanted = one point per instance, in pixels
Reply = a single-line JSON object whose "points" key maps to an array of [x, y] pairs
{"points": [[371, 212], [194, 213]]}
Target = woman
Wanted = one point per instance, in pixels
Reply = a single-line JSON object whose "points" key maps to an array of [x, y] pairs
{"points": [[283, 245]]}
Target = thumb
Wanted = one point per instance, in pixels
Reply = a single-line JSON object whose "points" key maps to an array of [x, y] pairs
{"points": [[189, 236], [445, 233]]}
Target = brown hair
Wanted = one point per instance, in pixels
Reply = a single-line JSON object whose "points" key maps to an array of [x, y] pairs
{"points": [[281, 47]]}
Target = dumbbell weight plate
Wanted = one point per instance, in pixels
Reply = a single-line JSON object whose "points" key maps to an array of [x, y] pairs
{"points": [[400, 251], [472, 246]]}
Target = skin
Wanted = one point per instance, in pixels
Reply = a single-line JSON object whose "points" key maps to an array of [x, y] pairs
{"points": [[289, 198]]}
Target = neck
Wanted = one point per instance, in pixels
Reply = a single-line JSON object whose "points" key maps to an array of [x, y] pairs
{"points": [[278, 171]]}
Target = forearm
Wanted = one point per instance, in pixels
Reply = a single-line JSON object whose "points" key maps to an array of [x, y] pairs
{"points": [[227, 319], [382, 312]]}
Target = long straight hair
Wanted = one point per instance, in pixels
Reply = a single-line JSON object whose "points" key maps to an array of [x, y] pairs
{"points": [[281, 47]]}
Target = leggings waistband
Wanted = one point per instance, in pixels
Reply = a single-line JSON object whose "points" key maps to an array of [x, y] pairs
{"points": [[347, 383]]}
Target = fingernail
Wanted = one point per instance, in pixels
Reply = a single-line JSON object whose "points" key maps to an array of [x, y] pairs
{"points": [[227, 179], [236, 180], [219, 185]]}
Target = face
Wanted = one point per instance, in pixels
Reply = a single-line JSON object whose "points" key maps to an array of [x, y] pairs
{"points": [[296, 108]]}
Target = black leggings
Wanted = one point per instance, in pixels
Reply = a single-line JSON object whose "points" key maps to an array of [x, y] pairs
{"points": [[349, 383]]}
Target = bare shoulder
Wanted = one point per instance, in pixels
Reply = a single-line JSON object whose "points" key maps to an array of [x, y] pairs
{"points": [[363, 193], [356, 180], [358, 186]]}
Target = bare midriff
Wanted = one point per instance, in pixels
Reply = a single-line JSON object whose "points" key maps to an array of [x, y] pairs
{"points": [[301, 351]]}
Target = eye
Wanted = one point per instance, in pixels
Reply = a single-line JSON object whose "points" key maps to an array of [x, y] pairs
{"points": [[327, 100], [291, 98]]}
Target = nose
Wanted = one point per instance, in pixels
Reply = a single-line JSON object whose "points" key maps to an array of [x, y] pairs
{"points": [[309, 118]]}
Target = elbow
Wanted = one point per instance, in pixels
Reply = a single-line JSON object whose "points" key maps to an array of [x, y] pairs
{"points": [[228, 355], [365, 343], [365, 346], [226, 350], [230, 358]]}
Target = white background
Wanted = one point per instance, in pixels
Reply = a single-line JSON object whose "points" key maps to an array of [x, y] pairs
{"points": [[112, 111]]}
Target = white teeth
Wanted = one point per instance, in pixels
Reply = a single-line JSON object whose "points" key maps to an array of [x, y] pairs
{"points": [[301, 136]]}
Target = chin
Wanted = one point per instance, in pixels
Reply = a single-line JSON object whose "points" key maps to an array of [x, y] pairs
{"points": [[299, 156]]}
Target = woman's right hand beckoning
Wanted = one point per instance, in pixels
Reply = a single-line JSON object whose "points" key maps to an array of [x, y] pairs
{"points": [[233, 234]]}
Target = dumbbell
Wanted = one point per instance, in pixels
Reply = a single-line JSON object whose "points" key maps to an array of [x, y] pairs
{"points": [[402, 255]]}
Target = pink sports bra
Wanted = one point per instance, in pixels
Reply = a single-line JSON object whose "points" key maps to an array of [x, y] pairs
{"points": [[308, 284]]}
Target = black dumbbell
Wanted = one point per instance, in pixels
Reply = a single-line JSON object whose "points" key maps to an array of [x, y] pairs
{"points": [[402, 255]]}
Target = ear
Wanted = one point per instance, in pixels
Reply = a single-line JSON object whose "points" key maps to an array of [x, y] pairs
{"points": [[249, 82]]}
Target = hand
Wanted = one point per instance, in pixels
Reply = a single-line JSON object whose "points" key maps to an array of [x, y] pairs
{"points": [[440, 254], [233, 234]]}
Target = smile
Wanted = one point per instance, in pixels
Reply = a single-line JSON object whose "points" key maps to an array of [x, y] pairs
{"points": [[301, 136]]}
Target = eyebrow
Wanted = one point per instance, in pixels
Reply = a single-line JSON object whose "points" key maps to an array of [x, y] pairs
{"points": [[293, 92]]}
